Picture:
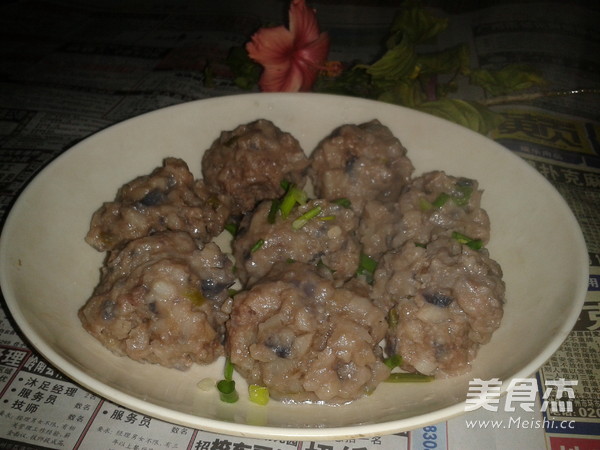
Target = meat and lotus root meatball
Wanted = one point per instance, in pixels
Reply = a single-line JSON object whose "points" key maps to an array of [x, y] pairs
{"points": [[446, 300], [436, 204], [162, 300], [318, 232], [305, 340], [362, 163], [432, 205], [167, 199], [250, 162]]}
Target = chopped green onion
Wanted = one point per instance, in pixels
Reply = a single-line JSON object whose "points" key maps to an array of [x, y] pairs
{"points": [[304, 218], [424, 205], [465, 182], [228, 369], [196, 297], [258, 394], [232, 228], [257, 245], [226, 387], [440, 200], [344, 202], [275, 205], [327, 218], [393, 361], [401, 377], [289, 200], [366, 267], [392, 318], [227, 391], [462, 195], [474, 244]]}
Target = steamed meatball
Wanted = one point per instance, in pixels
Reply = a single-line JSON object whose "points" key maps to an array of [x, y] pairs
{"points": [[167, 199], [436, 204], [163, 300], [250, 162], [327, 240], [305, 340], [362, 163], [445, 301]]}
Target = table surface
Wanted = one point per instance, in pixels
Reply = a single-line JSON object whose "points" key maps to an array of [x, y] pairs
{"points": [[72, 68]]}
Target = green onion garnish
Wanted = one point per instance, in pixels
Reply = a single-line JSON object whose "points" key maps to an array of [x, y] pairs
{"points": [[228, 369], [474, 244], [424, 205], [462, 195], [440, 200], [366, 267], [258, 394], [304, 218], [392, 318], [344, 202], [232, 228], [226, 387], [393, 361], [275, 204], [227, 391], [285, 185], [289, 200], [257, 245], [401, 377]]}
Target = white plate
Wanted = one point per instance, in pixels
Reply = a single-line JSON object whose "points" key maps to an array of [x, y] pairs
{"points": [[48, 271]]}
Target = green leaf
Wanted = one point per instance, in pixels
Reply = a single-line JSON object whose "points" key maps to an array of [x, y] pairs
{"points": [[451, 60], [246, 72], [469, 114], [355, 82], [415, 24], [514, 77], [397, 63], [405, 92]]}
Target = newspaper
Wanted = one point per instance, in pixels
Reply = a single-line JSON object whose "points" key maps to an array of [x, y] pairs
{"points": [[70, 69]]}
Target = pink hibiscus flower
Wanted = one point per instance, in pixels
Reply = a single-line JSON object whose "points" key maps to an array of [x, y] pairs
{"points": [[291, 58]]}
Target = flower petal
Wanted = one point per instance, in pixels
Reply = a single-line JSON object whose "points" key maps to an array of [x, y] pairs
{"points": [[311, 59], [315, 52], [303, 23], [281, 78], [271, 45]]}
